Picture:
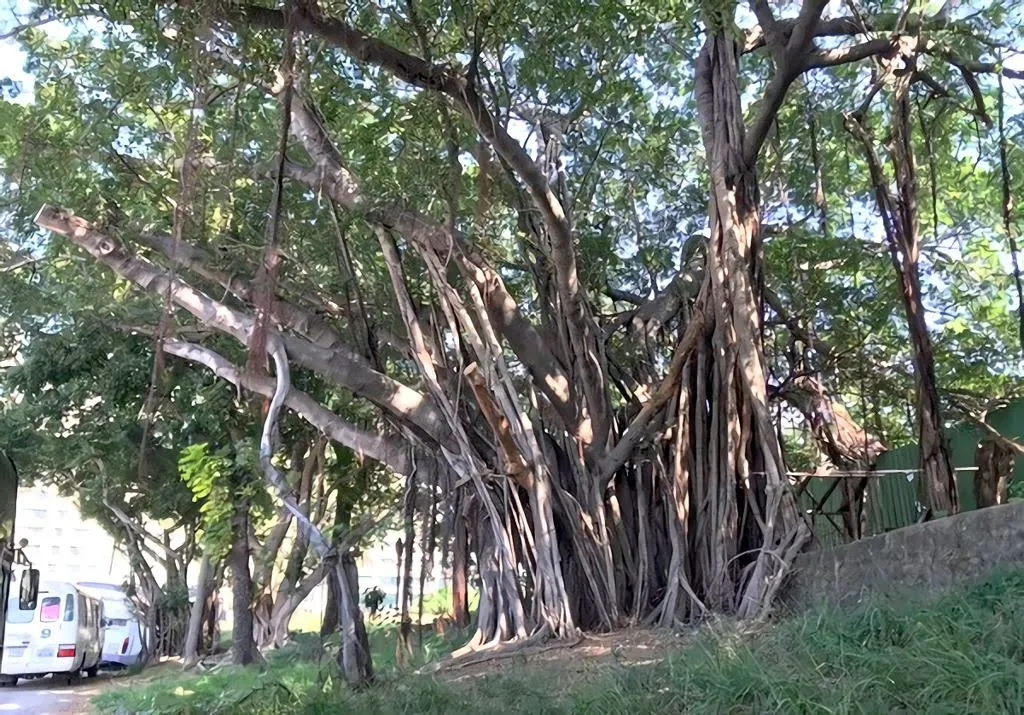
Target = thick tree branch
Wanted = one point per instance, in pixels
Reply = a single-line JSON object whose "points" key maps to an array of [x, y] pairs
{"points": [[137, 529], [338, 363], [845, 442], [848, 26], [287, 314], [391, 452], [790, 61], [853, 53], [967, 66], [980, 420], [624, 295]]}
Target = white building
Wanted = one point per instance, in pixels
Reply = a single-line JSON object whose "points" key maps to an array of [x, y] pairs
{"points": [[63, 545]]}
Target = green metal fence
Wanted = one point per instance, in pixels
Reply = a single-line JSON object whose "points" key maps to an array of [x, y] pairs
{"points": [[893, 495]]}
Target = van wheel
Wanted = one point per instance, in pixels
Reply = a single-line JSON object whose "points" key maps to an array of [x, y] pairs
{"points": [[6, 681], [93, 671], [74, 678]]}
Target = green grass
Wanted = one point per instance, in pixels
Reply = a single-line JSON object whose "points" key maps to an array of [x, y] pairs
{"points": [[964, 653]]}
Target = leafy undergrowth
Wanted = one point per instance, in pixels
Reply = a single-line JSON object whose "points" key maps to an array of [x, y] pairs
{"points": [[964, 653]]}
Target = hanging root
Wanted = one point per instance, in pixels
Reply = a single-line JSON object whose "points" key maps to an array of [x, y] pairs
{"points": [[769, 571], [799, 538]]}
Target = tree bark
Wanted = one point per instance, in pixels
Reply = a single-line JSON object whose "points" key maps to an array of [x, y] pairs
{"points": [[211, 611], [288, 602], [342, 518], [847, 445], [460, 573], [900, 219], [330, 622], [354, 654], [736, 446], [243, 648], [995, 461], [190, 657]]}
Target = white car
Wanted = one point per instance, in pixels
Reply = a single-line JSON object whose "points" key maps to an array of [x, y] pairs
{"points": [[122, 643], [62, 635]]}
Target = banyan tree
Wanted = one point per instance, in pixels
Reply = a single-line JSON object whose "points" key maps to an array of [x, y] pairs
{"points": [[448, 185]]}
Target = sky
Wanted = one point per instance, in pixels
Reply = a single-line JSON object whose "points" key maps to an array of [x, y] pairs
{"points": [[12, 59]]}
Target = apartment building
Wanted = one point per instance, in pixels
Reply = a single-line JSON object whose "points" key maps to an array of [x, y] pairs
{"points": [[63, 545]]}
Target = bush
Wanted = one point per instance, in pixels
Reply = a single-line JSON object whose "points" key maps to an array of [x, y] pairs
{"points": [[373, 599]]}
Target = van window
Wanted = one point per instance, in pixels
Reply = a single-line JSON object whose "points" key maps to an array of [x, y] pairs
{"points": [[69, 608], [16, 615], [49, 609]]}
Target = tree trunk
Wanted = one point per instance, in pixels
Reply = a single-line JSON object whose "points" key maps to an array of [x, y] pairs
{"points": [[293, 571], [280, 618], [243, 648], [342, 517], [497, 619], [994, 460], [190, 656], [354, 654], [940, 480], [330, 622], [460, 573], [746, 512], [211, 611], [900, 220]]}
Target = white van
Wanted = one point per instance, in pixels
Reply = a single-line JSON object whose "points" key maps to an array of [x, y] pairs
{"points": [[122, 642], [63, 635]]}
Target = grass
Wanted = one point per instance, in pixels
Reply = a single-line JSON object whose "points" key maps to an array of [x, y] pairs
{"points": [[963, 653]]}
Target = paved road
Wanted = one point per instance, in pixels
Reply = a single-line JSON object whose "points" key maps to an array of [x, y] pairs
{"points": [[49, 697]]}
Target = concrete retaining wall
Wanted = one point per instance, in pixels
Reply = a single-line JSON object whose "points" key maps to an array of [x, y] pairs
{"points": [[922, 561]]}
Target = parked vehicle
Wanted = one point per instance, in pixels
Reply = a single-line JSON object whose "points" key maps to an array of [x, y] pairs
{"points": [[62, 635], [123, 639], [15, 568]]}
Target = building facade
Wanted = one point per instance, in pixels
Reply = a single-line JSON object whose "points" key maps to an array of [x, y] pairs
{"points": [[63, 545]]}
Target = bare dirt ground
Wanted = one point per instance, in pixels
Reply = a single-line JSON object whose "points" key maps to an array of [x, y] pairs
{"points": [[589, 659]]}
